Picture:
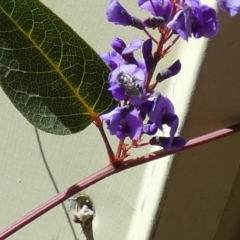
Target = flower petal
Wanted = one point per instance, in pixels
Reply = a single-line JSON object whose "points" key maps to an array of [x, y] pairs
{"points": [[150, 129], [133, 46], [113, 119], [231, 6], [118, 45], [117, 14], [163, 106], [182, 22], [134, 124], [117, 92], [161, 8], [205, 24], [121, 132], [171, 120]]}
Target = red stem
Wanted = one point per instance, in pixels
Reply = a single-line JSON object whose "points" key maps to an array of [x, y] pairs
{"points": [[108, 171], [111, 155], [119, 149], [157, 56], [150, 36], [165, 51], [158, 53]]}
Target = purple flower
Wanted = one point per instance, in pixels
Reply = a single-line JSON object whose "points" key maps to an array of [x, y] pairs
{"points": [[231, 6], [112, 59], [114, 118], [160, 111], [117, 14], [196, 19], [171, 120], [106, 57], [127, 53], [205, 23], [149, 104], [162, 107], [124, 121], [134, 125], [122, 54], [118, 92], [182, 23], [158, 8]]}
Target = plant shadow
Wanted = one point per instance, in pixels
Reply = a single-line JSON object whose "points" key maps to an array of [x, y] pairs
{"points": [[54, 183]]}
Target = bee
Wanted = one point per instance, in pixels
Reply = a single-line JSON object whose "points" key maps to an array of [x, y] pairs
{"points": [[130, 84]]}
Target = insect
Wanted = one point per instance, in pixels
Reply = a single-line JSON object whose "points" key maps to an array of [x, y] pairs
{"points": [[130, 84]]}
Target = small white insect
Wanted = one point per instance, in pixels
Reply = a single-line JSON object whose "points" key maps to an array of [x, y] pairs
{"points": [[130, 84]]}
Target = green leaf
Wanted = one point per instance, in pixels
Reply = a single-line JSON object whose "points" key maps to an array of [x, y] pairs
{"points": [[52, 76]]}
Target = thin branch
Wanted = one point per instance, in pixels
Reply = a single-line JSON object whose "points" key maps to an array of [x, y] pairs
{"points": [[105, 140], [108, 171], [119, 149], [157, 56], [150, 36], [165, 51]]}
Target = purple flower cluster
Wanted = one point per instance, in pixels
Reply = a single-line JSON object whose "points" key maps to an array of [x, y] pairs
{"points": [[142, 112], [186, 18], [194, 19]]}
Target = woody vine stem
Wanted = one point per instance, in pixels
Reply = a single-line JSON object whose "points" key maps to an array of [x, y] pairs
{"points": [[108, 171]]}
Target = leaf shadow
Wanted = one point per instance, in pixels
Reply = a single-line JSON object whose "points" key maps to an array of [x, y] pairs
{"points": [[88, 231], [54, 183]]}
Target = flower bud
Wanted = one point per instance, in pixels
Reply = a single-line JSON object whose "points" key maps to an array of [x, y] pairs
{"points": [[118, 45], [154, 22], [169, 72], [117, 14], [147, 55], [137, 23]]}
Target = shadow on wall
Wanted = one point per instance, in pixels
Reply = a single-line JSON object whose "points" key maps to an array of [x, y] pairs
{"points": [[87, 231]]}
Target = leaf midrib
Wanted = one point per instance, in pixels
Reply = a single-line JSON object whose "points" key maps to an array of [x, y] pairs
{"points": [[55, 67]]}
